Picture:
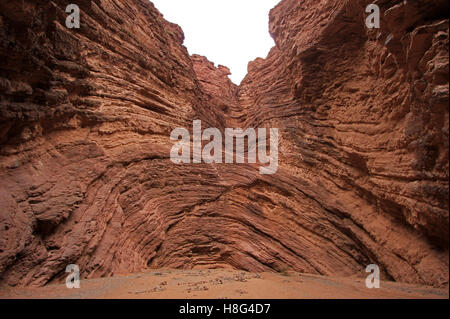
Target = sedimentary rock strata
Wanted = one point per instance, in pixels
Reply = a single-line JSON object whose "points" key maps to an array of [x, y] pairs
{"points": [[86, 115]]}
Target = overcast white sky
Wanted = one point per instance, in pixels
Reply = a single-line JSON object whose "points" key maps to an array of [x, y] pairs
{"points": [[227, 32]]}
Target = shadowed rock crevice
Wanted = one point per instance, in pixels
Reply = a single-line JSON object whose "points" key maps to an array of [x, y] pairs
{"points": [[85, 122]]}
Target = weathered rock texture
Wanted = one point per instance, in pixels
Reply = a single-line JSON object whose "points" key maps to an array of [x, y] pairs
{"points": [[86, 115]]}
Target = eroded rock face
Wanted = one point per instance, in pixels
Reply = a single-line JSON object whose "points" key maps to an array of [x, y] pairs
{"points": [[85, 120], [86, 116], [365, 126]]}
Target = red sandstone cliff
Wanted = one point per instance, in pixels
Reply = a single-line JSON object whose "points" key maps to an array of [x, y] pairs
{"points": [[86, 115]]}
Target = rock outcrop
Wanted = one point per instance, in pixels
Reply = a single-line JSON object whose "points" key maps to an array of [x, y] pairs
{"points": [[85, 122]]}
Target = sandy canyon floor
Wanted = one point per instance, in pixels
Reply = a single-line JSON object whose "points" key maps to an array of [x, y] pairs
{"points": [[225, 284]]}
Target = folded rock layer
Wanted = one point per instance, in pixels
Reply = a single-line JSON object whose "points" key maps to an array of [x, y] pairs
{"points": [[85, 122]]}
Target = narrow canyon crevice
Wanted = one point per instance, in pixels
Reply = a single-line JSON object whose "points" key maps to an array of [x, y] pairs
{"points": [[85, 122]]}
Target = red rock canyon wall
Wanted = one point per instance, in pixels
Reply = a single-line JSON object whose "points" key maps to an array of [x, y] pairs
{"points": [[86, 116]]}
